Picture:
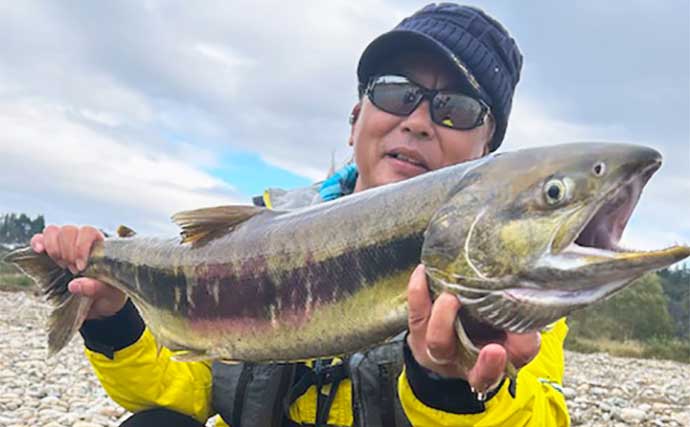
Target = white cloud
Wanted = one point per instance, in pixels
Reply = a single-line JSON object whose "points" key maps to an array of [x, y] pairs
{"points": [[531, 125], [47, 156]]}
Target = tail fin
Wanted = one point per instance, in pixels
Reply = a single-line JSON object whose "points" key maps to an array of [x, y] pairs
{"points": [[70, 310]]}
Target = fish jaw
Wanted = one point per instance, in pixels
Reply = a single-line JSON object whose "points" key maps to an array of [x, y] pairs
{"points": [[580, 268], [534, 301]]}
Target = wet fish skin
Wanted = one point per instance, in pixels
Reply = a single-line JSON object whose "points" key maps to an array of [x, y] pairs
{"points": [[331, 278]]}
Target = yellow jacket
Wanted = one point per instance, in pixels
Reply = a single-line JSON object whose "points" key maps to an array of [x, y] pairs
{"points": [[138, 378]]}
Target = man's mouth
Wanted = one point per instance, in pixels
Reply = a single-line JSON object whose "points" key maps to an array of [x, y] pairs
{"points": [[407, 157]]}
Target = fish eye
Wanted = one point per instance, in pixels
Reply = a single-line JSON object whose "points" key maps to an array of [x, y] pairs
{"points": [[599, 169], [554, 191]]}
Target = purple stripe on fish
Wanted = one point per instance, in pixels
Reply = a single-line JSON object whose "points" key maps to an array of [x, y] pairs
{"points": [[253, 292]]}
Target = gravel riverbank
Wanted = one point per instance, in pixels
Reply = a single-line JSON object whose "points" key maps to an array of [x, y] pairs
{"points": [[601, 390]]}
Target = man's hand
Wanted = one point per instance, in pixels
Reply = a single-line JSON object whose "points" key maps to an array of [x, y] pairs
{"points": [[69, 247], [434, 343]]}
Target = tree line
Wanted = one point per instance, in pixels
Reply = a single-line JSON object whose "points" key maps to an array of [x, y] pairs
{"points": [[18, 228], [656, 306]]}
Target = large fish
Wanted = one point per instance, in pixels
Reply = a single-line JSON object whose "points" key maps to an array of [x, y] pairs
{"points": [[522, 238]]}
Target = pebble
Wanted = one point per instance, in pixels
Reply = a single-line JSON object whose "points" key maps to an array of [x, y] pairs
{"points": [[85, 424], [63, 391], [632, 415]]}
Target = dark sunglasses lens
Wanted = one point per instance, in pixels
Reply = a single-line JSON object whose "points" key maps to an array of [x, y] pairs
{"points": [[456, 111], [395, 95]]}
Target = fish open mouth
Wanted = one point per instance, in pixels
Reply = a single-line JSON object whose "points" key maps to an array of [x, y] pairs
{"points": [[601, 233]]}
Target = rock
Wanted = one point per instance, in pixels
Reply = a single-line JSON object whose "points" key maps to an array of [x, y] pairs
{"points": [[7, 374], [111, 412], [645, 407], [13, 405], [659, 407], [50, 413], [682, 418], [569, 393], [583, 388], [632, 415], [7, 420], [86, 424], [598, 391]]}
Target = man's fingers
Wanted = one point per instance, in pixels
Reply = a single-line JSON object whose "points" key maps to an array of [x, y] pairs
{"points": [[87, 236], [488, 370], [87, 287], [67, 238], [419, 303], [52, 245], [522, 348], [441, 337], [37, 243]]}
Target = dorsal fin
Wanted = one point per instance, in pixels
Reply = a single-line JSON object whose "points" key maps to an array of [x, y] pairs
{"points": [[124, 231], [199, 226]]}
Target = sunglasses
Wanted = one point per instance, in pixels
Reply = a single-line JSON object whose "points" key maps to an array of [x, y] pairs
{"points": [[400, 96]]}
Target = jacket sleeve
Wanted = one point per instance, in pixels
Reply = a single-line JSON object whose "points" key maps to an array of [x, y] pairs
{"points": [[538, 400], [126, 360]]}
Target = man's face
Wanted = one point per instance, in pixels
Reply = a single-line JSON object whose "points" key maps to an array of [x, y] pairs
{"points": [[379, 137]]}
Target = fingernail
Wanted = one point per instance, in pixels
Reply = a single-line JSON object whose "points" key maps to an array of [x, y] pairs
{"points": [[38, 247], [74, 287], [436, 360], [81, 264], [72, 269]]}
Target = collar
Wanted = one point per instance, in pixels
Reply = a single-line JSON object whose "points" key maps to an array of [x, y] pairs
{"points": [[340, 183]]}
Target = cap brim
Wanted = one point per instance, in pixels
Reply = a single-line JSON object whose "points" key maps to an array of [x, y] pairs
{"points": [[395, 42]]}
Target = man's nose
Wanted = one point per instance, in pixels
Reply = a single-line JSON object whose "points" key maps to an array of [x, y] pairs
{"points": [[419, 121]]}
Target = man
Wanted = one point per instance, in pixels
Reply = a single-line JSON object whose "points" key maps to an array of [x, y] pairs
{"points": [[435, 91]]}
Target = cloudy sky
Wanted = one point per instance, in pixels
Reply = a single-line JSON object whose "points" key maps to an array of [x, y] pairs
{"points": [[125, 112]]}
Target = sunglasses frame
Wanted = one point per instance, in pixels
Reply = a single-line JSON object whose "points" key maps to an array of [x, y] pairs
{"points": [[428, 94]]}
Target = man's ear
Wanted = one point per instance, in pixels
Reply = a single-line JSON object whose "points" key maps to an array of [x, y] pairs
{"points": [[354, 115]]}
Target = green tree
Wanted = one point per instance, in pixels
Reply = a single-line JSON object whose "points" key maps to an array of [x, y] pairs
{"points": [[19, 228], [638, 312], [676, 286]]}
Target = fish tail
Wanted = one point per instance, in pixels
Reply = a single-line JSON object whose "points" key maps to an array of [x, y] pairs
{"points": [[69, 310]]}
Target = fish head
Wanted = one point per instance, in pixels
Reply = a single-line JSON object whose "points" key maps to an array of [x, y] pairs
{"points": [[532, 235]]}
